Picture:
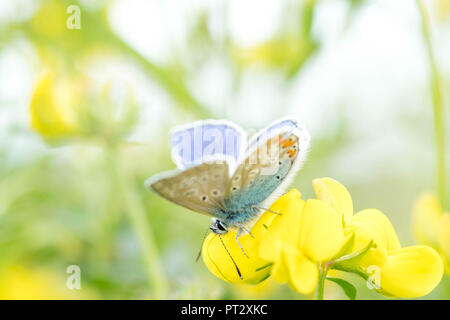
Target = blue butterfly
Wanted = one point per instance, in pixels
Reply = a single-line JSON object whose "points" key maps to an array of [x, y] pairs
{"points": [[221, 176]]}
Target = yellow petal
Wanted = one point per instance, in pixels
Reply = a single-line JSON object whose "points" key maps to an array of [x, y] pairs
{"points": [[260, 291], [426, 219], [49, 117], [444, 240], [321, 234], [372, 224], [283, 228], [279, 270], [253, 269], [335, 194], [411, 272], [303, 273]]}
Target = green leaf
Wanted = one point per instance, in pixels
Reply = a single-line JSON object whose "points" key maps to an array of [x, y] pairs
{"points": [[355, 256], [264, 266], [349, 289]]}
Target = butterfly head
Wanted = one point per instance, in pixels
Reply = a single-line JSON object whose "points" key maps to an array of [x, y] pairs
{"points": [[218, 227]]}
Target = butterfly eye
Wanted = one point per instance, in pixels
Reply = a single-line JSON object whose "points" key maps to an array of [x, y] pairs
{"points": [[278, 177], [220, 226]]}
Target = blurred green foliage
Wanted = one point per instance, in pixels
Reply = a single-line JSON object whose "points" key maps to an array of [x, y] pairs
{"points": [[81, 200]]}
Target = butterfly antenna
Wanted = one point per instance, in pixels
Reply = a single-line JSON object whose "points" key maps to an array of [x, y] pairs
{"points": [[201, 247], [237, 269]]}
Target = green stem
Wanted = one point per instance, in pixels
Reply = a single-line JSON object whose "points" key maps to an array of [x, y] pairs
{"points": [[349, 269], [138, 218], [439, 121], [323, 270]]}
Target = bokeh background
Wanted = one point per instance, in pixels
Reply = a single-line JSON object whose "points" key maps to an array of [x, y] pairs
{"points": [[85, 115]]}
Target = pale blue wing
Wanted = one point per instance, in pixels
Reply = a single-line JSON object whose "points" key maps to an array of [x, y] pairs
{"points": [[207, 140], [287, 126]]}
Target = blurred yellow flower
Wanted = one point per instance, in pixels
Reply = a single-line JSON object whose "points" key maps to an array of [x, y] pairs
{"points": [[431, 226], [51, 114], [274, 53], [310, 237], [18, 282], [48, 28], [442, 9], [68, 110]]}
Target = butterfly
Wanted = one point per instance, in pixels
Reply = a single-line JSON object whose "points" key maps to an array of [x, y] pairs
{"points": [[220, 175]]}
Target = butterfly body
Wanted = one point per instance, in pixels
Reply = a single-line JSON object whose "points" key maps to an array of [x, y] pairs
{"points": [[220, 177]]}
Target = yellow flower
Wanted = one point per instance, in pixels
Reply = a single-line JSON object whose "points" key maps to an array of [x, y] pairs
{"points": [[306, 234], [318, 238], [403, 272], [67, 110], [19, 282], [51, 114], [253, 269], [257, 267], [310, 237], [431, 226]]}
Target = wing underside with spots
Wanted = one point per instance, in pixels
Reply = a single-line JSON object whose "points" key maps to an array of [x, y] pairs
{"points": [[199, 188]]}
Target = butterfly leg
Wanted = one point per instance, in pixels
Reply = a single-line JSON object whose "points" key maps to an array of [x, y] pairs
{"points": [[237, 240], [261, 208], [248, 231]]}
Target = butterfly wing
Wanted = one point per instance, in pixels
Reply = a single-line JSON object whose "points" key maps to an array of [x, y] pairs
{"points": [[207, 140], [272, 159], [200, 188]]}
